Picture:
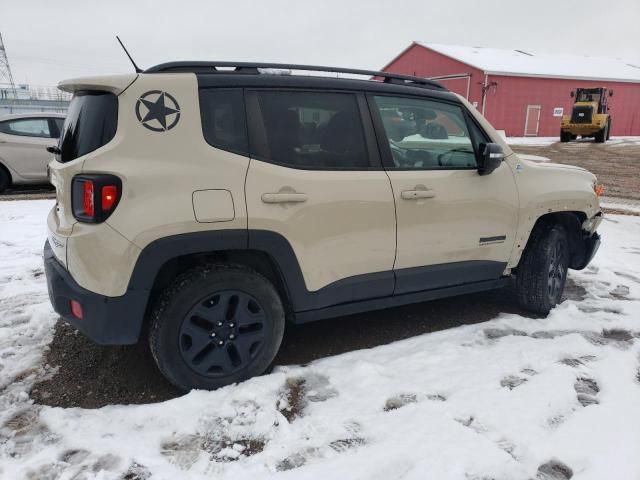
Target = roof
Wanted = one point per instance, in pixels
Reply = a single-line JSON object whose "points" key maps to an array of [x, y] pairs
{"points": [[530, 64]]}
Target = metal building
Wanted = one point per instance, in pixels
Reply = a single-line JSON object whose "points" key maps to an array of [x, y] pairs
{"points": [[524, 93]]}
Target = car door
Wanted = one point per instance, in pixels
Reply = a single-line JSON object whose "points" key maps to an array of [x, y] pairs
{"points": [[23, 144], [317, 195], [454, 225]]}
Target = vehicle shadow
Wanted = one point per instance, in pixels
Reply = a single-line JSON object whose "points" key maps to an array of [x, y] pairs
{"points": [[92, 376]]}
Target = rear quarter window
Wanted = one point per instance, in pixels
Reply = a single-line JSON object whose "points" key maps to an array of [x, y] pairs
{"points": [[91, 123], [224, 120]]}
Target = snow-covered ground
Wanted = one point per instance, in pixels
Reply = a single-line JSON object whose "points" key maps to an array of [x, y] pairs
{"points": [[534, 141], [514, 398]]}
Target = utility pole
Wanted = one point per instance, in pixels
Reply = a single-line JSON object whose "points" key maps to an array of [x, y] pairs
{"points": [[5, 69]]}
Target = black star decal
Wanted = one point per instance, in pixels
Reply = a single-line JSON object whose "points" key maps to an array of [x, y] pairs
{"points": [[157, 111]]}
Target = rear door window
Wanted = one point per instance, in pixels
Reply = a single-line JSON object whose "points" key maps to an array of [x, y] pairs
{"points": [[223, 119], [307, 130], [91, 122]]}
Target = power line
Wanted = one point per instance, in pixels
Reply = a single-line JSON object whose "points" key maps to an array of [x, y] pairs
{"points": [[5, 68]]}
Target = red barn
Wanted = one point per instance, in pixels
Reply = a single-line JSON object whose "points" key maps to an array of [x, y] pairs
{"points": [[524, 93]]}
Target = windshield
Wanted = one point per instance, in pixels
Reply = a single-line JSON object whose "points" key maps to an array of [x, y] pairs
{"points": [[588, 96], [91, 122]]}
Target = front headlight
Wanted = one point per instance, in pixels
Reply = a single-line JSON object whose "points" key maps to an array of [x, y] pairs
{"points": [[598, 188]]}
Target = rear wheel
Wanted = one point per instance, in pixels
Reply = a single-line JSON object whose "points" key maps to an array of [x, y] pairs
{"points": [[5, 180], [216, 325], [542, 272], [609, 129], [602, 135]]}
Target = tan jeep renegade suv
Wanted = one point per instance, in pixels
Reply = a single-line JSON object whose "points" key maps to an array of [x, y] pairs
{"points": [[205, 204]]}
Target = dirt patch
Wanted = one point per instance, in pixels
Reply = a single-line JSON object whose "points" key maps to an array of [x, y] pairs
{"points": [[512, 381], [577, 362], [573, 291], [184, 451], [618, 335], [587, 390], [554, 470], [294, 399], [92, 376], [24, 192], [615, 164], [400, 401], [618, 211], [136, 472]]}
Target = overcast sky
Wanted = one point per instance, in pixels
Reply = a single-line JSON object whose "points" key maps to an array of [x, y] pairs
{"points": [[47, 41]]}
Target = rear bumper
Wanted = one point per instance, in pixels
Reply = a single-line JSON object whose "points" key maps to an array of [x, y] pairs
{"points": [[106, 320]]}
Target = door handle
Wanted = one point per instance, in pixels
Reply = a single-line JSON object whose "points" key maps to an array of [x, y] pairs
{"points": [[417, 194], [284, 197]]}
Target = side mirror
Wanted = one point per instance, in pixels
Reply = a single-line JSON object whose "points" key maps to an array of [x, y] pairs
{"points": [[55, 150], [491, 156]]}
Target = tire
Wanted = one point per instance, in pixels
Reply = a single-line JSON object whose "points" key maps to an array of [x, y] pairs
{"points": [[542, 272], [564, 136], [202, 338], [5, 180], [601, 135], [608, 129]]}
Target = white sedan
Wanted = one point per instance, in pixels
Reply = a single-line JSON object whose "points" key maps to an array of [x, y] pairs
{"points": [[24, 139]]}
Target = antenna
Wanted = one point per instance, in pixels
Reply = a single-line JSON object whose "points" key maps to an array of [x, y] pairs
{"points": [[136, 67], [5, 69]]}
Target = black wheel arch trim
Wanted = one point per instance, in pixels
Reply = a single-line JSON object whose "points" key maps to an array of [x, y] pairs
{"points": [[160, 251], [119, 320]]}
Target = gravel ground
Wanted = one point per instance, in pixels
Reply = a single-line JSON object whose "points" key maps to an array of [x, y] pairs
{"points": [[615, 163], [31, 192], [92, 376]]}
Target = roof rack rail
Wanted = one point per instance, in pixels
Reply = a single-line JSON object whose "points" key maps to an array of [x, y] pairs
{"points": [[252, 68]]}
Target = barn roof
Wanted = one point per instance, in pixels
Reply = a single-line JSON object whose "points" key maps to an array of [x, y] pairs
{"points": [[530, 64]]}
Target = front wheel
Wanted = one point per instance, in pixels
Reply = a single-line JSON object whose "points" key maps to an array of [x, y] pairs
{"points": [[542, 272], [602, 135], [216, 325]]}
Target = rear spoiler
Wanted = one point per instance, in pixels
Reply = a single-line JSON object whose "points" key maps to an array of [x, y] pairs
{"points": [[115, 84]]}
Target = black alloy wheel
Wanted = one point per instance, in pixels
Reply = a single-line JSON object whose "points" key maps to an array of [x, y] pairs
{"points": [[222, 333], [557, 272], [215, 325]]}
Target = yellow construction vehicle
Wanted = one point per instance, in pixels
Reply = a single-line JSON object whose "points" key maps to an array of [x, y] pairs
{"points": [[589, 117]]}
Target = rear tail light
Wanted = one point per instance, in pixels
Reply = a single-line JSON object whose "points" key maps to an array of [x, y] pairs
{"points": [[88, 207], [95, 196], [109, 197]]}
